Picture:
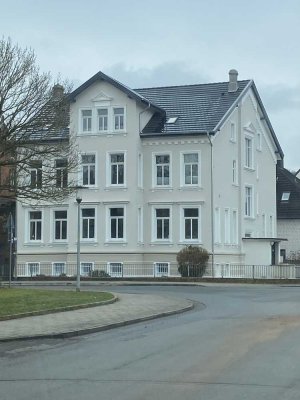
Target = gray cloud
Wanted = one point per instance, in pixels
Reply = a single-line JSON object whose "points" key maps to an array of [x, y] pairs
{"points": [[278, 98]]}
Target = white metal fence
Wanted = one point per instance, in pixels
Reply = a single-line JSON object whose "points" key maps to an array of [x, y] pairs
{"points": [[154, 270]]}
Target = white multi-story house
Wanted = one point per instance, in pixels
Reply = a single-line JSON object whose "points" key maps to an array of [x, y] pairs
{"points": [[161, 168]]}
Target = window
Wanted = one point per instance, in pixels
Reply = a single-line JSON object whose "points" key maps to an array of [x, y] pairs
{"points": [[116, 216], [61, 167], [102, 119], [117, 169], [35, 225], [88, 169], [35, 168], [33, 269], [162, 168], [248, 153], [171, 120], [226, 226], [232, 132], [58, 268], [285, 196], [258, 141], [140, 170], [161, 269], [217, 225], [88, 223], [140, 225], [60, 225], [119, 115], [162, 224], [191, 223], [115, 269], [234, 172], [86, 268], [191, 168], [86, 120], [234, 228], [248, 201]]}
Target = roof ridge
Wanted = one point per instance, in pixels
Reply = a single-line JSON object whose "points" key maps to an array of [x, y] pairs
{"points": [[189, 85]]}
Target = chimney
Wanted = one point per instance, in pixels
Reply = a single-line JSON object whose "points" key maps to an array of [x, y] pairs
{"points": [[233, 83], [58, 91]]}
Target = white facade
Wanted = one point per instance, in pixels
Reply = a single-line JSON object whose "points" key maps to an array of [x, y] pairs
{"points": [[144, 198]]}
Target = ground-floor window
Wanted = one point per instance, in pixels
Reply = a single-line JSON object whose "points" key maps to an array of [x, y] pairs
{"points": [[86, 268], [115, 269], [33, 269], [162, 269], [58, 268]]}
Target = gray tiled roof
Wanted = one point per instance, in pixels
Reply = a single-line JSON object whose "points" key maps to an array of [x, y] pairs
{"points": [[288, 182], [199, 108]]}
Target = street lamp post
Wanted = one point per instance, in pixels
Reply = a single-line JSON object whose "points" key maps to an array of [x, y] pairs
{"points": [[78, 200]]}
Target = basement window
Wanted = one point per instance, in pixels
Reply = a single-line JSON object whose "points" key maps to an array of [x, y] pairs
{"points": [[285, 196]]}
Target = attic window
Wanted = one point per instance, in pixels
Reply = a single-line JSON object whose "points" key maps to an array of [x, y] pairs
{"points": [[285, 196], [171, 120]]}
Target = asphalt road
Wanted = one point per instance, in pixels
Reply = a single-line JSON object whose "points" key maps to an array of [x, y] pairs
{"points": [[240, 342]]}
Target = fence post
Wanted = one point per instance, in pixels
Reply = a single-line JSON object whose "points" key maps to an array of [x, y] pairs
{"points": [[253, 272]]}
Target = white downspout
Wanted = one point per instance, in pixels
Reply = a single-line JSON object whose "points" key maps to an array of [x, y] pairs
{"points": [[212, 205]]}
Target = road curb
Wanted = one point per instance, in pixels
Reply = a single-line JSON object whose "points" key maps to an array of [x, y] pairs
{"points": [[85, 331]]}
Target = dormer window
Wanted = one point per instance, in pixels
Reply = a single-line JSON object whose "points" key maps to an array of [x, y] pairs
{"points": [[285, 196]]}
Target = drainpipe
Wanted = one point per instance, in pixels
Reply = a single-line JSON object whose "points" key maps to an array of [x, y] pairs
{"points": [[241, 189], [212, 205]]}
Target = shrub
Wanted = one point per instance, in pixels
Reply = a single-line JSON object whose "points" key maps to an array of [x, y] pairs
{"points": [[192, 261], [99, 274]]}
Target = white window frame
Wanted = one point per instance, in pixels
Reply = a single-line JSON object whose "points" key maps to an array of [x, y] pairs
{"points": [[85, 264], [103, 118], [38, 264], [249, 201], [248, 152], [217, 225], [54, 225], [61, 174], [109, 237], [154, 223], [114, 119], [88, 239], [89, 173], [182, 223], [38, 173], [234, 172], [182, 169], [41, 220], [64, 269], [232, 132], [234, 227], [81, 118], [154, 169], [140, 171], [227, 228], [285, 196], [109, 169], [161, 264], [258, 141], [120, 269], [140, 225]]}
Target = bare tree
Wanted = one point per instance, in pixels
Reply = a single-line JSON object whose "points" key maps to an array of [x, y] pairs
{"points": [[37, 156]]}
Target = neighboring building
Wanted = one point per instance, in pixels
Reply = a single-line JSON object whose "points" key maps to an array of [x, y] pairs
{"points": [[162, 168], [288, 213]]}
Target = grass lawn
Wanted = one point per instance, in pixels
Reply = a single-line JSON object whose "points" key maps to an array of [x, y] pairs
{"points": [[18, 301]]}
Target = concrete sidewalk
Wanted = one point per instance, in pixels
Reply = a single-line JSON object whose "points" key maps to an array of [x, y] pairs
{"points": [[130, 308]]}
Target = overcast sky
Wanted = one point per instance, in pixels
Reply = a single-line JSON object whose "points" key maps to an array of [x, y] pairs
{"points": [[167, 42]]}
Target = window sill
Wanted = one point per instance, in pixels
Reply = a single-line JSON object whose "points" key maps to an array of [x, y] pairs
{"points": [[36, 243], [191, 187], [102, 134], [161, 242], [250, 169], [159, 188], [235, 185], [58, 243], [116, 187], [109, 242], [250, 218], [193, 241]]}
